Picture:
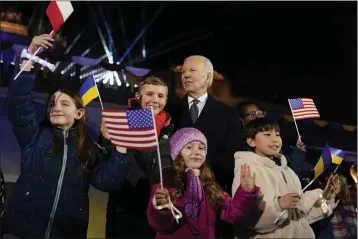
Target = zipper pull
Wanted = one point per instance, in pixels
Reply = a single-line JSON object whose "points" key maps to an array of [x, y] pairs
{"points": [[65, 134]]}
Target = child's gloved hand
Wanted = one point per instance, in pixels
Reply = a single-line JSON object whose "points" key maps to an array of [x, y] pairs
{"points": [[247, 181], [161, 196]]}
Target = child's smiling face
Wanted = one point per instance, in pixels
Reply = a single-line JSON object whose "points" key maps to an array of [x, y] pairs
{"points": [[194, 154]]}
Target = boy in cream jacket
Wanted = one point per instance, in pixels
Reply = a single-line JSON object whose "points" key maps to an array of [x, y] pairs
{"points": [[282, 212]]}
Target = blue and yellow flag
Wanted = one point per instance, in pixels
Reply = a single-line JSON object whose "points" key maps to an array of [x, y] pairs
{"points": [[88, 90], [329, 155]]}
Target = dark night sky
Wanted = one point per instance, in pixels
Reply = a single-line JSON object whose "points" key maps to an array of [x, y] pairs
{"points": [[270, 51]]}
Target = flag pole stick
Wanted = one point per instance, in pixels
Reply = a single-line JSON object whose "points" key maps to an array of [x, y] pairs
{"points": [[28, 62], [309, 184], [300, 194], [99, 96], [294, 120], [158, 151], [336, 169]]}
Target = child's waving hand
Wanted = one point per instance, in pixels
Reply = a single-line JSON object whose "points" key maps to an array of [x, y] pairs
{"points": [[247, 181]]}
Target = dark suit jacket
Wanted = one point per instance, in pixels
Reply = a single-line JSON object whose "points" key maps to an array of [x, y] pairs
{"points": [[221, 126]]}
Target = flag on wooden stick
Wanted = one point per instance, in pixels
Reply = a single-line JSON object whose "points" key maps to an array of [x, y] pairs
{"points": [[58, 12], [133, 129], [303, 108], [89, 90], [329, 155]]}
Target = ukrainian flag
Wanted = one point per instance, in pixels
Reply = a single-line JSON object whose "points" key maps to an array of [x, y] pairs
{"points": [[329, 155], [88, 90]]}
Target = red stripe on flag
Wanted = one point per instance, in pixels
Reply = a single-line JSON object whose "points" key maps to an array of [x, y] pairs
{"points": [[304, 111], [55, 16], [144, 130], [117, 123], [307, 116], [308, 111], [114, 111], [114, 117], [131, 135], [133, 142]]}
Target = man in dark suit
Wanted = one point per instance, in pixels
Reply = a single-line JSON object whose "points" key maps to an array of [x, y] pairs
{"points": [[219, 122]]}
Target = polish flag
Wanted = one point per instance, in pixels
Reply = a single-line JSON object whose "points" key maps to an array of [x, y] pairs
{"points": [[58, 12]]}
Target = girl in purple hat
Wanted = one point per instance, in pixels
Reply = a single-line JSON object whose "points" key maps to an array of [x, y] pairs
{"points": [[196, 194]]}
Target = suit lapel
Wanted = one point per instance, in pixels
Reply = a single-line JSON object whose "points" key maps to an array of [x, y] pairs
{"points": [[185, 119], [207, 110]]}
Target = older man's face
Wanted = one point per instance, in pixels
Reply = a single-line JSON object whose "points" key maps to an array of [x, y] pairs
{"points": [[194, 75]]}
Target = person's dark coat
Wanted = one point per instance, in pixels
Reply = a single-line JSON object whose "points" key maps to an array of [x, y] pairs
{"points": [[50, 197]]}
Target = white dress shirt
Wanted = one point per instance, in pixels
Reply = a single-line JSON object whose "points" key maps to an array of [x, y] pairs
{"points": [[202, 100]]}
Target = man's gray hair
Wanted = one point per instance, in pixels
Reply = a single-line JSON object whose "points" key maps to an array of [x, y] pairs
{"points": [[208, 66]]}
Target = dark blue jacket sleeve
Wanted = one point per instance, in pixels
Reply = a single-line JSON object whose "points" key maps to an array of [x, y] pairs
{"points": [[21, 111], [109, 173], [297, 160]]}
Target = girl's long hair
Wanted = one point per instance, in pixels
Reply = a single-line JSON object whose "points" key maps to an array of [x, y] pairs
{"points": [[344, 195], [88, 151], [211, 188]]}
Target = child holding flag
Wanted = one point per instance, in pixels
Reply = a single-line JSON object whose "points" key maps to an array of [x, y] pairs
{"points": [[283, 212], [58, 163], [126, 208], [250, 110], [196, 194]]}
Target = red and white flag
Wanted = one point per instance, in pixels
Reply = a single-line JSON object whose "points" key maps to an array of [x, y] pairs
{"points": [[132, 129], [58, 12], [303, 108]]}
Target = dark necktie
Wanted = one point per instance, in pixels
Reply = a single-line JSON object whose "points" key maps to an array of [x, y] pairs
{"points": [[194, 110]]}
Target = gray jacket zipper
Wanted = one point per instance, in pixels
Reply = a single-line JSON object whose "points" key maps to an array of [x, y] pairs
{"points": [[59, 186]]}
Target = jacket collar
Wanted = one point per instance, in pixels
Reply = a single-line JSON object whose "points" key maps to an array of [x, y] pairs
{"points": [[61, 133], [251, 157]]}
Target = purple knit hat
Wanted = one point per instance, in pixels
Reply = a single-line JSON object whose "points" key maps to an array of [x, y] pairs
{"points": [[183, 137]]}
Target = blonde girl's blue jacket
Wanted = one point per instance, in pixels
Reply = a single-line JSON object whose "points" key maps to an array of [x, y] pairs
{"points": [[50, 197]]}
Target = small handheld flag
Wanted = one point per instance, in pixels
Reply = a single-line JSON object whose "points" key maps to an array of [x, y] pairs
{"points": [[302, 108], [88, 90], [133, 129], [58, 12], [329, 155]]}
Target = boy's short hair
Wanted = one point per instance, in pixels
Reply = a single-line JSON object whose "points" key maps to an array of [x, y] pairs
{"points": [[260, 125], [243, 105], [151, 80]]}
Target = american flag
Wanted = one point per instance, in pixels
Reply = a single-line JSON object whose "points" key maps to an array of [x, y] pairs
{"points": [[132, 129], [303, 108]]}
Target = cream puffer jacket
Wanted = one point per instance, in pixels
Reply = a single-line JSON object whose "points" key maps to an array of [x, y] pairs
{"points": [[275, 181]]}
